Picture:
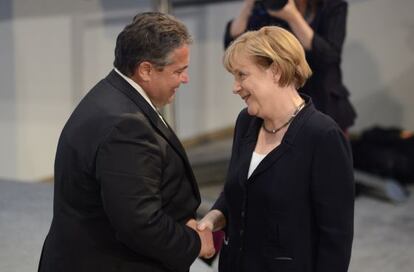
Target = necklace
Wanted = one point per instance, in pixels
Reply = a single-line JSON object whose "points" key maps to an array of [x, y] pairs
{"points": [[274, 131]]}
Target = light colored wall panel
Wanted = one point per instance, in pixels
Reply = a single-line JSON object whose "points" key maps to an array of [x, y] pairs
{"points": [[377, 63], [43, 91], [7, 93], [206, 103]]}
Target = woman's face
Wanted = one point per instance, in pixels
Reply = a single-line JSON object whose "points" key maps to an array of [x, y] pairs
{"points": [[254, 84]]}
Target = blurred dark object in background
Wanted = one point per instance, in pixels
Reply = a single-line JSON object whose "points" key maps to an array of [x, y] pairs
{"points": [[386, 152], [274, 4]]}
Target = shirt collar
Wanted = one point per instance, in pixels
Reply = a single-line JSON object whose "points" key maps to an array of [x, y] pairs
{"points": [[141, 92]]}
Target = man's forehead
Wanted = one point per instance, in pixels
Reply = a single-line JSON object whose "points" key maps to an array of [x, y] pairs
{"points": [[179, 56]]}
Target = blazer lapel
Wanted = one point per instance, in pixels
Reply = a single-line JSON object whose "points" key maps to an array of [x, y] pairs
{"points": [[288, 139], [247, 146], [271, 159], [168, 134]]}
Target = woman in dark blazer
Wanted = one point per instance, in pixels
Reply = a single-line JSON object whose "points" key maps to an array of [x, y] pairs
{"points": [[320, 26], [288, 201]]}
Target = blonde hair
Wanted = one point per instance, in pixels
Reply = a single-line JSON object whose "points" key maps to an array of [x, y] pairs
{"points": [[272, 46]]}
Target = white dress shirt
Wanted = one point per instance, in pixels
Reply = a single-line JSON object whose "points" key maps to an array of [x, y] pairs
{"points": [[142, 93]]}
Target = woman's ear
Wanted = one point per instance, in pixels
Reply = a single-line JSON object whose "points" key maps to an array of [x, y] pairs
{"points": [[275, 72]]}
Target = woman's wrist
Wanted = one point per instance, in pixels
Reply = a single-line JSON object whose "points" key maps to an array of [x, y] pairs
{"points": [[214, 220]]}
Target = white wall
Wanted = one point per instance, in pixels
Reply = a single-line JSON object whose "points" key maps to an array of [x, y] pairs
{"points": [[378, 58], [53, 51], [7, 93], [44, 71], [207, 102]]}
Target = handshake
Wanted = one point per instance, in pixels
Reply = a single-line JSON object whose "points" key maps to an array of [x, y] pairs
{"points": [[212, 221], [206, 236]]}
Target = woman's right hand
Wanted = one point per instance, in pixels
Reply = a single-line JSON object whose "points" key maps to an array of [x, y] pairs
{"points": [[205, 223], [214, 220]]}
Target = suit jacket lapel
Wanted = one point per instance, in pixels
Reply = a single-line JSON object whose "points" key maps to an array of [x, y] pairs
{"points": [[176, 144], [152, 115], [120, 84]]}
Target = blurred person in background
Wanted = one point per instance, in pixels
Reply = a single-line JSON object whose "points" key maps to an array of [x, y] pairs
{"points": [[320, 26]]}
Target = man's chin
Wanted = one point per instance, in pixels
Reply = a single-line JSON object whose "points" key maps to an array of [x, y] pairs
{"points": [[171, 99]]}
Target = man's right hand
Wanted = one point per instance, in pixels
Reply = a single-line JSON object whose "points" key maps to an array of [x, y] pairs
{"points": [[206, 237]]}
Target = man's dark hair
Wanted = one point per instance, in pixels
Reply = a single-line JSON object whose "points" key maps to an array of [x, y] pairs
{"points": [[151, 37]]}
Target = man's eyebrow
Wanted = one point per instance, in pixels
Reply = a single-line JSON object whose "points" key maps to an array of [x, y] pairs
{"points": [[182, 68]]}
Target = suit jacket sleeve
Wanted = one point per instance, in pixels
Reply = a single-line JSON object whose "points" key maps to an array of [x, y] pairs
{"points": [[333, 202], [130, 168], [329, 36]]}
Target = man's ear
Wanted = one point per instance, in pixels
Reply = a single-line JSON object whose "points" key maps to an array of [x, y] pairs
{"points": [[144, 70]]}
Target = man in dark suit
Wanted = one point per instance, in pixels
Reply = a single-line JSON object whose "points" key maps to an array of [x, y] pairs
{"points": [[125, 195]]}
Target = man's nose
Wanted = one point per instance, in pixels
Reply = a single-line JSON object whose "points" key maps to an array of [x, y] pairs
{"points": [[185, 78]]}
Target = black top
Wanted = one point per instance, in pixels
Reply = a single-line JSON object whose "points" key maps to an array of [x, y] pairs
{"points": [[295, 212], [124, 189], [325, 86]]}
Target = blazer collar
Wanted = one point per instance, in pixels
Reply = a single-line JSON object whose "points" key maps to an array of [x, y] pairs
{"points": [[248, 142], [122, 85], [299, 121]]}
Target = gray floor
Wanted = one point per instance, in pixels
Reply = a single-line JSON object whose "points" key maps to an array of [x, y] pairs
{"points": [[384, 235], [25, 215]]}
